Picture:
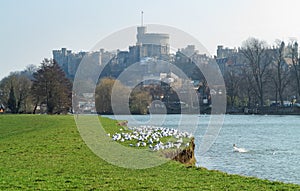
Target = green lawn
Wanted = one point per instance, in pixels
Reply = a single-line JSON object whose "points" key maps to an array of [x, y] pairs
{"points": [[42, 152]]}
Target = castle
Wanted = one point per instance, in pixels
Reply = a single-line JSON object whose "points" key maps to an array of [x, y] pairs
{"points": [[154, 45]]}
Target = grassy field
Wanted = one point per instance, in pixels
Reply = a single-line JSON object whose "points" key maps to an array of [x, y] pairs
{"points": [[41, 152]]}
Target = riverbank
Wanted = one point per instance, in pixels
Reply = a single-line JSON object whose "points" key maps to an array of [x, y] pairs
{"points": [[275, 110], [47, 153]]}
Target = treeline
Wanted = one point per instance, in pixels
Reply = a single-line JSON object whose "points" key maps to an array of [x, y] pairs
{"points": [[263, 75], [139, 98], [47, 90], [44, 89]]}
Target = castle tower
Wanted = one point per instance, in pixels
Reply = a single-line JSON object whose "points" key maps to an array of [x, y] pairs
{"points": [[151, 44], [141, 30]]}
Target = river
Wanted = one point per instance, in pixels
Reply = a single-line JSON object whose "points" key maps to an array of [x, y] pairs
{"points": [[272, 143]]}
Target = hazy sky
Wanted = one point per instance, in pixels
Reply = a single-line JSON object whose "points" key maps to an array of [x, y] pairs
{"points": [[31, 29]]}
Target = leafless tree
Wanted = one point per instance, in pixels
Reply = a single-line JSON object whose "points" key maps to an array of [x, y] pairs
{"points": [[16, 93], [232, 81], [296, 65], [246, 83], [280, 71], [258, 59]]}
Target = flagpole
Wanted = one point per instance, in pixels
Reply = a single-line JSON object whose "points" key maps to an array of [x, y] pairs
{"points": [[142, 14]]}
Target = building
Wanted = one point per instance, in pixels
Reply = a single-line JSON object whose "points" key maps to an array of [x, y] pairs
{"points": [[225, 52], [2, 108], [189, 51], [69, 61], [152, 44], [228, 58], [155, 45]]}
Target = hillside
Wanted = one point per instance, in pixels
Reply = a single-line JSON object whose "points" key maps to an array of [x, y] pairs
{"points": [[42, 152]]}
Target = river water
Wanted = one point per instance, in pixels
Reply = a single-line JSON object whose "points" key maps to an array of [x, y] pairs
{"points": [[272, 143]]}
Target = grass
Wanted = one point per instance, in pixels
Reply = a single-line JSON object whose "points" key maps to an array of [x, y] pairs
{"points": [[41, 152]]}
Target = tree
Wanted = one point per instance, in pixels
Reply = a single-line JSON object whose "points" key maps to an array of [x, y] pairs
{"points": [[104, 96], [16, 92], [258, 62], [139, 101], [11, 102], [296, 65], [29, 71], [246, 83], [232, 80], [52, 88], [280, 72]]}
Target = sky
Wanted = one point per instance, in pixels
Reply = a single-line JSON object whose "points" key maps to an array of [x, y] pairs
{"points": [[31, 29]]}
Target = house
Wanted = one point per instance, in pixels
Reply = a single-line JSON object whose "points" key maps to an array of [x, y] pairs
{"points": [[2, 108]]}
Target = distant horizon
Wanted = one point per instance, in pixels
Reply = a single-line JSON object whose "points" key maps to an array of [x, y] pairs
{"points": [[32, 29]]}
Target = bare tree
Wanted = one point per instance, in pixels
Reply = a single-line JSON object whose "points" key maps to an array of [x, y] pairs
{"points": [[246, 82], [258, 60], [280, 71], [16, 93], [296, 65], [232, 79]]}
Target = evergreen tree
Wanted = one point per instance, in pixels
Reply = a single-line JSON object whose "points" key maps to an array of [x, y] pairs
{"points": [[52, 88]]}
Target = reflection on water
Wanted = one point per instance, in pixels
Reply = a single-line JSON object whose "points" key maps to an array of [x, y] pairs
{"points": [[272, 142]]}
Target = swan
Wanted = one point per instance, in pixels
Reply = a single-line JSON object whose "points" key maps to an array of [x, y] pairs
{"points": [[240, 150]]}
